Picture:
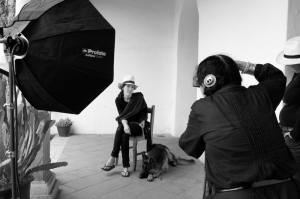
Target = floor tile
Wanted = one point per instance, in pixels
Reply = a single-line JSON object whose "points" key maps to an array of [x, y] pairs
{"points": [[155, 194], [119, 194], [77, 195], [83, 177], [65, 190], [137, 188]]}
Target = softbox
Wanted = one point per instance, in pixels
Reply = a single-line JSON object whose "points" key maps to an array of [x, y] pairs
{"points": [[70, 59]]}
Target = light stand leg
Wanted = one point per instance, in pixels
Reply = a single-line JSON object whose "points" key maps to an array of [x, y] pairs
{"points": [[12, 134], [19, 47]]}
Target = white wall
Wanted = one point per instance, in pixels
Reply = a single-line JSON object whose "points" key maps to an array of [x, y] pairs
{"points": [[184, 94], [143, 48], [293, 28], [20, 4], [147, 35], [177, 13], [246, 30]]}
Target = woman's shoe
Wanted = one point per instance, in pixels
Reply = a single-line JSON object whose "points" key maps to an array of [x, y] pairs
{"points": [[125, 173], [108, 168]]}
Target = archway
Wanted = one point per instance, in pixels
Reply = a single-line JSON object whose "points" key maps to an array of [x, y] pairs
{"points": [[187, 59]]}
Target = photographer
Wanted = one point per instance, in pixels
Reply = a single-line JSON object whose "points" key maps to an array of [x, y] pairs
{"points": [[245, 152]]}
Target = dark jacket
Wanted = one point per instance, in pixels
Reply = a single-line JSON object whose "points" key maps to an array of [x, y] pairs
{"points": [[136, 109], [290, 113], [238, 129]]}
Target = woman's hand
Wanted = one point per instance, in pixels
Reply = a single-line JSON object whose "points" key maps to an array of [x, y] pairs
{"points": [[287, 134], [142, 124], [126, 127]]}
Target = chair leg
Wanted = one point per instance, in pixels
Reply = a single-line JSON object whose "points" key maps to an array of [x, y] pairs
{"points": [[134, 154]]}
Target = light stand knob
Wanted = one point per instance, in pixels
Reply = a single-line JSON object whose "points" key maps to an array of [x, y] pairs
{"points": [[21, 46]]}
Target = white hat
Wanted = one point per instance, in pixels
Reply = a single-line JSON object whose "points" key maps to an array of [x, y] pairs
{"points": [[291, 53], [127, 79]]}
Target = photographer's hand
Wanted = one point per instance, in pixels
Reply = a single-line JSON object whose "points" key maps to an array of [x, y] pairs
{"points": [[241, 65], [246, 67]]}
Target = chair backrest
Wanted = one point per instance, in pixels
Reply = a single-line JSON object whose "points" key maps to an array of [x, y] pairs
{"points": [[151, 111]]}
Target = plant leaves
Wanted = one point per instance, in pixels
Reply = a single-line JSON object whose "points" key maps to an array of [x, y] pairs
{"points": [[46, 167]]}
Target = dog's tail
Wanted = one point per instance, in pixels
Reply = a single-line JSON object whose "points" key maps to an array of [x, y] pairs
{"points": [[184, 161]]}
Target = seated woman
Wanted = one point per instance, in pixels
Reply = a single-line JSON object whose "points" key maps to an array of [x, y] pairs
{"points": [[132, 110], [245, 152]]}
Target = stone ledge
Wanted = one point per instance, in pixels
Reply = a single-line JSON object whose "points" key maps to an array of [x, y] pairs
{"points": [[45, 190]]}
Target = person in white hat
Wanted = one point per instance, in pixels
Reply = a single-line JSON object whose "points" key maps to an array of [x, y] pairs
{"points": [[289, 117], [132, 109]]}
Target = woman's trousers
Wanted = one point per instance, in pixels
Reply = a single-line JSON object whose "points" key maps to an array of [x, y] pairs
{"points": [[121, 141]]}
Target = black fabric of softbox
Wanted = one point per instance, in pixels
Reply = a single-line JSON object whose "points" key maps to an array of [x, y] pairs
{"points": [[70, 60]]}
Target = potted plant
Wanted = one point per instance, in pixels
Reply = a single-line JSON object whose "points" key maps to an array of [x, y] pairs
{"points": [[31, 126], [64, 127]]}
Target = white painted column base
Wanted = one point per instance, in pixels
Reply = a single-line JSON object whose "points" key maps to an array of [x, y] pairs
{"points": [[45, 189]]}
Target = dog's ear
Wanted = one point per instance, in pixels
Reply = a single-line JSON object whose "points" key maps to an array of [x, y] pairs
{"points": [[144, 155]]}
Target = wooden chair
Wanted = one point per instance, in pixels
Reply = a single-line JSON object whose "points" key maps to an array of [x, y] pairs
{"points": [[135, 139]]}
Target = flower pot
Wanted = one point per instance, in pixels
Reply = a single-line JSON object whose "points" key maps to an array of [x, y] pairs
{"points": [[64, 131], [6, 192]]}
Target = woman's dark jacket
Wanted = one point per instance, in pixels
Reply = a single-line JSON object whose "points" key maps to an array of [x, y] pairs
{"points": [[238, 129], [134, 111]]}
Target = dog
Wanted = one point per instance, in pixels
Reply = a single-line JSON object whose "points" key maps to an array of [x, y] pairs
{"points": [[157, 161]]}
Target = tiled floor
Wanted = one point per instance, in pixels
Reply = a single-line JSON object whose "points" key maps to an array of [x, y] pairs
{"points": [[84, 179]]}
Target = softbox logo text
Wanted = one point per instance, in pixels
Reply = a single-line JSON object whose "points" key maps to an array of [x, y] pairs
{"points": [[93, 53]]}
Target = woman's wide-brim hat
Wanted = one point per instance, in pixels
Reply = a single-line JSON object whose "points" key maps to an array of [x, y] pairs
{"points": [[127, 79], [291, 53]]}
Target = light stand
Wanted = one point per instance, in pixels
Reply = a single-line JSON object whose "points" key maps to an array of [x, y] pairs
{"points": [[15, 48]]}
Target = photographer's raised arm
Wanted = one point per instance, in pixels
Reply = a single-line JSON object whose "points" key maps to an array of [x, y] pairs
{"points": [[271, 79]]}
